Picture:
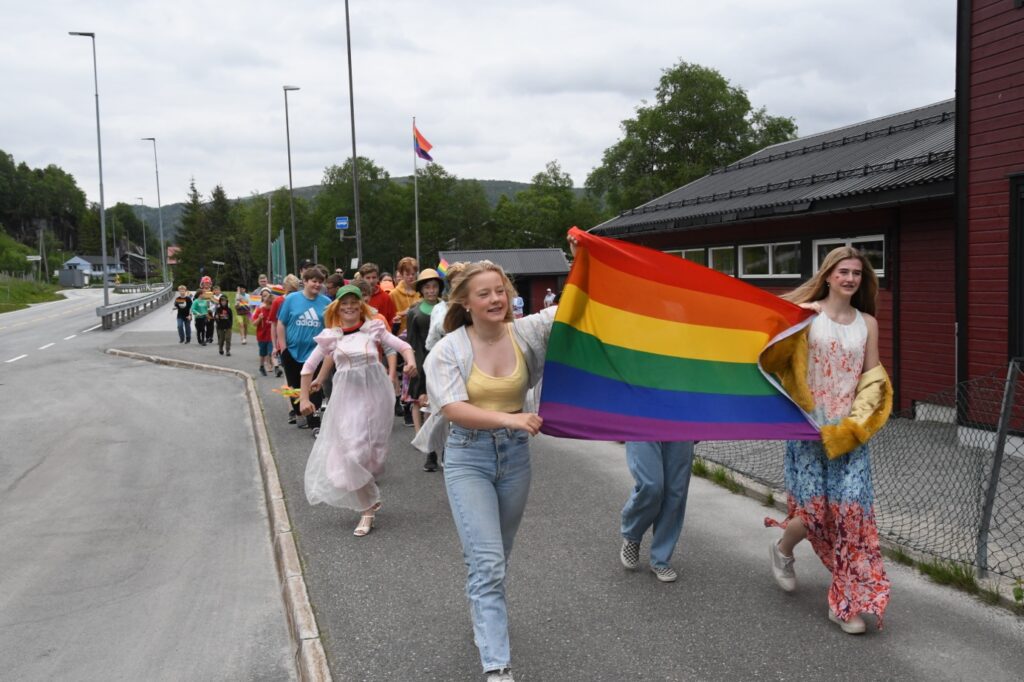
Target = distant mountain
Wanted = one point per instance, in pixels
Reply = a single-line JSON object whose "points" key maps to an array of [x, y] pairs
{"points": [[493, 189]]}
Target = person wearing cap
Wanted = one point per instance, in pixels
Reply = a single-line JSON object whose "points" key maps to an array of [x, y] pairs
{"points": [[352, 447], [549, 299], [428, 285]]}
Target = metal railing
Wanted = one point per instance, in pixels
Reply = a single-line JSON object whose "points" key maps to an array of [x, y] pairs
{"points": [[119, 313], [948, 473]]}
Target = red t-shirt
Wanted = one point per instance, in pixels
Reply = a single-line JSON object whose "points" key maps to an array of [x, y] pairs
{"points": [[274, 307], [264, 327], [384, 305]]}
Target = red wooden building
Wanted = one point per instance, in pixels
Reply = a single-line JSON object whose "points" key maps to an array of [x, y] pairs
{"points": [[533, 271]]}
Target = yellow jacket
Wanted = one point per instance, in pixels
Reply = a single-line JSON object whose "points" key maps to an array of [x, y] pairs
{"points": [[872, 405]]}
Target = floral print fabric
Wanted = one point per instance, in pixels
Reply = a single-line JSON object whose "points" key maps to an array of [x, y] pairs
{"points": [[835, 498]]}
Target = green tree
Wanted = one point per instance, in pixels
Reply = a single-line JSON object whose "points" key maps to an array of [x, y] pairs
{"points": [[698, 121], [194, 241]]}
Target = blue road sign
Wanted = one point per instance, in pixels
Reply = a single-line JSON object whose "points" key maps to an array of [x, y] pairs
{"points": [[341, 222]]}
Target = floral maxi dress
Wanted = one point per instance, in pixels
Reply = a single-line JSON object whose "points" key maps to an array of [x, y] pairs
{"points": [[349, 454], [835, 498]]}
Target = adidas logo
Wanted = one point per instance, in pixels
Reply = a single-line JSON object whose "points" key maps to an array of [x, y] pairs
{"points": [[308, 319]]}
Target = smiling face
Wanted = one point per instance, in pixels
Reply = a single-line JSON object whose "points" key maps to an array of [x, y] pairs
{"points": [[312, 286], [845, 278], [488, 298], [430, 290], [351, 308]]}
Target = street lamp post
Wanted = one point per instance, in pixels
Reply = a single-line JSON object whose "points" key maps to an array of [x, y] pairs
{"points": [[355, 158], [291, 199], [99, 156], [145, 258], [160, 213]]}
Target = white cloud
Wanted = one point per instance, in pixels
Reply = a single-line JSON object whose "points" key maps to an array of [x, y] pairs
{"points": [[499, 88]]}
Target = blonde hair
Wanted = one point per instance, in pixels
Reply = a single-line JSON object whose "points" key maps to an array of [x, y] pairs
{"points": [[291, 283], [332, 316], [458, 314], [452, 277], [816, 288]]}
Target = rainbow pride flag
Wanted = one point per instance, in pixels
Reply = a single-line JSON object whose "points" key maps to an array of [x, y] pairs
{"points": [[649, 347], [420, 144], [442, 268]]}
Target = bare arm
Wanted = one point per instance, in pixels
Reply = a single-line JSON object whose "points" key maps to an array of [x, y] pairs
{"points": [[281, 337], [473, 417], [871, 358]]}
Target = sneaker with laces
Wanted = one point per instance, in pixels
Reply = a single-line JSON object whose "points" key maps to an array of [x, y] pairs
{"points": [[665, 574], [629, 555], [854, 626], [782, 568], [503, 675]]}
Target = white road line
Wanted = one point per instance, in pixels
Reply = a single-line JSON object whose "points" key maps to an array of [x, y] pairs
{"points": [[16, 359], [91, 328], [68, 338], [45, 347]]}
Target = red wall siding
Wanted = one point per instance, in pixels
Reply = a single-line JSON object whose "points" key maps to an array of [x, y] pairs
{"points": [[996, 141]]}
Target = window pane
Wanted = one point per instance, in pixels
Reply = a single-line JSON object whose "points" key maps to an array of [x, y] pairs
{"points": [[724, 260], [695, 255], [875, 251], [754, 259], [823, 250], [786, 259]]}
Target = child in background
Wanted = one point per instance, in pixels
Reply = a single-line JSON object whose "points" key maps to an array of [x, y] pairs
{"points": [[264, 330], [243, 311], [183, 308], [201, 311], [224, 320]]}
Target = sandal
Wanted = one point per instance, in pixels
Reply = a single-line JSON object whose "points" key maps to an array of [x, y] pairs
{"points": [[366, 521]]}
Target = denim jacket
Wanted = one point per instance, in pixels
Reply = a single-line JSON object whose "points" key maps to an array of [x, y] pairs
{"points": [[449, 363]]}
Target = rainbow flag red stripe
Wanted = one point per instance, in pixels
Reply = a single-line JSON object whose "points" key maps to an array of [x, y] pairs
{"points": [[420, 144], [647, 346]]}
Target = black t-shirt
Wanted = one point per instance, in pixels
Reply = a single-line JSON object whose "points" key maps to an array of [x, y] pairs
{"points": [[184, 306]]}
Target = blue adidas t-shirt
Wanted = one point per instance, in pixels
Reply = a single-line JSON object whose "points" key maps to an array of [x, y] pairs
{"points": [[303, 319]]}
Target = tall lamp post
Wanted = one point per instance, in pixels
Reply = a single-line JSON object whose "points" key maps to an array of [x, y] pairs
{"points": [[99, 155], [291, 199], [159, 212], [355, 158], [145, 257]]}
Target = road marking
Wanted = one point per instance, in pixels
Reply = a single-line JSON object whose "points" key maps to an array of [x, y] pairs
{"points": [[68, 338], [91, 328], [45, 347], [16, 359]]}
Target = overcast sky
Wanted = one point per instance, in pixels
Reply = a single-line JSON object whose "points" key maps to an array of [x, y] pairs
{"points": [[498, 87]]}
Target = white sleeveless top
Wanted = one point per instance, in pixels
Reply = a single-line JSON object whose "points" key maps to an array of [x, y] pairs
{"points": [[834, 365]]}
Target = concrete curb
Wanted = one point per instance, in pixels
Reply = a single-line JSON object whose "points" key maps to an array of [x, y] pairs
{"points": [[760, 492], [310, 658]]}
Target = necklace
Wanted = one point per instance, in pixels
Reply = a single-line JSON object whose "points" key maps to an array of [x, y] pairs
{"points": [[490, 342]]}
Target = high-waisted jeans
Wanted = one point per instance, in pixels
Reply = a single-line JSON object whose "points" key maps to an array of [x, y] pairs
{"points": [[662, 475], [487, 475]]}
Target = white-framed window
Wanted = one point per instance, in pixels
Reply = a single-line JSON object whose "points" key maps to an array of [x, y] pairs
{"points": [[698, 256], [779, 259], [723, 259], [872, 246]]}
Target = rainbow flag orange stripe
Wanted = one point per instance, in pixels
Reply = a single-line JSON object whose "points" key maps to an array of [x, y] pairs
{"points": [[647, 346]]}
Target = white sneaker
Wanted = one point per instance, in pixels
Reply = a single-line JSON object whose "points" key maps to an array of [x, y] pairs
{"points": [[854, 626], [503, 675], [782, 568]]}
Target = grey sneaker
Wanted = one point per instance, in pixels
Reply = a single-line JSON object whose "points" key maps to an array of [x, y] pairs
{"points": [[503, 675], [629, 555], [782, 568], [664, 573], [854, 626]]}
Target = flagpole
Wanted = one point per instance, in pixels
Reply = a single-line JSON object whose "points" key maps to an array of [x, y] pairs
{"points": [[416, 190]]}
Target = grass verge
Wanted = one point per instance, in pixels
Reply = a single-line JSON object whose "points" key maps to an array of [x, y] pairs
{"points": [[16, 294]]}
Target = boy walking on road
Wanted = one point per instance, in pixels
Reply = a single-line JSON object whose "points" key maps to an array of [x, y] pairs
{"points": [[224, 319], [299, 320], [183, 308]]}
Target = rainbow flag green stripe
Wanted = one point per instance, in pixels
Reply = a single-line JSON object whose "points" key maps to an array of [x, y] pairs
{"points": [[648, 346], [579, 350]]}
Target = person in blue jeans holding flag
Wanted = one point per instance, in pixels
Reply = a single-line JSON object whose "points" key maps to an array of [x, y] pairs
{"points": [[662, 474]]}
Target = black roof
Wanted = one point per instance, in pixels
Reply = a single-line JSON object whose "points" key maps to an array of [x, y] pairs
{"points": [[516, 261], [902, 157]]}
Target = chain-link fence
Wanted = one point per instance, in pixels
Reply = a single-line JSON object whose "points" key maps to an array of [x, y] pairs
{"points": [[948, 474]]}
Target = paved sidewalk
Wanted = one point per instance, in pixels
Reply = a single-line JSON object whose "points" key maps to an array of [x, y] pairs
{"points": [[391, 605]]}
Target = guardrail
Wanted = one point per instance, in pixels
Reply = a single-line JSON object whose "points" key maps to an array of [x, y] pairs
{"points": [[118, 313]]}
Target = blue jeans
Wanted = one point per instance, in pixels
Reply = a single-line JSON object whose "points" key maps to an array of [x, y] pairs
{"points": [[662, 474], [487, 475], [184, 329]]}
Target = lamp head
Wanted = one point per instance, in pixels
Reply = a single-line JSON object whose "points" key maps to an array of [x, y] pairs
{"points": [[81, 33], [148, 138], [290, 87]]}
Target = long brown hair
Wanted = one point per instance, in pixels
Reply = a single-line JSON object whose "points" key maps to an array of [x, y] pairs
{"points": [[816, 288], [458, 314]]}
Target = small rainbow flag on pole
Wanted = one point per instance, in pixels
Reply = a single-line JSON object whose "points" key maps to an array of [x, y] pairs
{"points": [[420, 144], [647, 346], [442, 268]]}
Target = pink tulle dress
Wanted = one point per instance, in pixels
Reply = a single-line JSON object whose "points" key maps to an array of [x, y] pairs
{"points": [[350, 452]]}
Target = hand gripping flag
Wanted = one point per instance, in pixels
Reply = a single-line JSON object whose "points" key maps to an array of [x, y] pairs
{"points": [[651, 347], [420, 144]]}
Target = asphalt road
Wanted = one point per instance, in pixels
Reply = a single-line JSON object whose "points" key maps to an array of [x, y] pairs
{"points": [[391, 605], [134, 542]]}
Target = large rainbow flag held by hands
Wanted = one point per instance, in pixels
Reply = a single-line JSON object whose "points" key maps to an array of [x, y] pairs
{"points": [[650, 347]]}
